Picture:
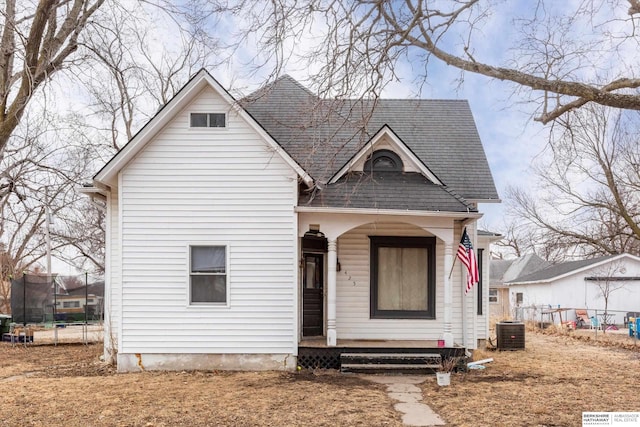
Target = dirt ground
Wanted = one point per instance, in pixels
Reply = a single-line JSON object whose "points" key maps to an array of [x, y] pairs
{"points": [[550, 383]]}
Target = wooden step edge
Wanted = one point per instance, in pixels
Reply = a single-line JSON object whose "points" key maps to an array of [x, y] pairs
{"points": [[393, 355], [387, 366]]}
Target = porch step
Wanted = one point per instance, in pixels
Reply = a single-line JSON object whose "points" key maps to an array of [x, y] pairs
{"points": [[390, 362]]}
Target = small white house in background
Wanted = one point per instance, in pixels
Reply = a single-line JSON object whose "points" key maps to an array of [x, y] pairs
{"points": [[503, 271], [240, 231], [581, 284]]}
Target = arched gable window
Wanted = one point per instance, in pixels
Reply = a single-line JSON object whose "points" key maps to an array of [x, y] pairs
{"points": [[383, 161]]}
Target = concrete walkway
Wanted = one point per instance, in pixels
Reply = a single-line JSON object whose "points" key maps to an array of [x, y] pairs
{"points": [[404, 389]]}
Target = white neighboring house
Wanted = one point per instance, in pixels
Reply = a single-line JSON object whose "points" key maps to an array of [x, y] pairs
{"points": [[580, 284], [240, 231], [504, 270]]}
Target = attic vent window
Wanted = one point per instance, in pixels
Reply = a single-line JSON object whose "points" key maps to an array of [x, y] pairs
{"points": [[208, 120], [383, 161]]}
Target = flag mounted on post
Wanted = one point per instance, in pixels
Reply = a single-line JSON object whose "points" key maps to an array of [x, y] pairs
{"points": [[468, 258]]}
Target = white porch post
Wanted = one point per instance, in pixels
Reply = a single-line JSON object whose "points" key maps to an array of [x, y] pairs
{"points": [[448, 295], [332, 261]]}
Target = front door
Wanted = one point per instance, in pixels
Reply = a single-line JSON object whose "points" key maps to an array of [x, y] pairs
{"points": [[312, 297]]}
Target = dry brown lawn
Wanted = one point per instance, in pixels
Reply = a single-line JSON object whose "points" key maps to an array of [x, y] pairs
{"points": [[550, 383]]}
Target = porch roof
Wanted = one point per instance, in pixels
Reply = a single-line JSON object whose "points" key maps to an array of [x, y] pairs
{"points": [[387, 190]]}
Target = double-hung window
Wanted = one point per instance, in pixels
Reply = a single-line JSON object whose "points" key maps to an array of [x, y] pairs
{"points": [[208, 275], [402, 277]]}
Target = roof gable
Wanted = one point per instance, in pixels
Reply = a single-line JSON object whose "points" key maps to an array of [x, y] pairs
{"points": [[386, 138], [525, 265], [324, 135], [185, 95]]}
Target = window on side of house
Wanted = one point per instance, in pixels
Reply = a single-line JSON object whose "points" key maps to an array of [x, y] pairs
{"points": [[208, 275], [71, 304], [402, 277], [208, 120], [493, 296], [519, 298]]}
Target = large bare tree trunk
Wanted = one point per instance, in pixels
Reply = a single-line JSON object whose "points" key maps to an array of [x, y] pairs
{"points": [[52, 30]]}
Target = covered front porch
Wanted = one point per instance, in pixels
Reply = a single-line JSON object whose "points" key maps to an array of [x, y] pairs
{"points": [[351, 321]]}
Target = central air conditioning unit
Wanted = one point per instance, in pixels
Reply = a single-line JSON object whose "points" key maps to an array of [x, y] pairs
{"points": [[510, 335]]}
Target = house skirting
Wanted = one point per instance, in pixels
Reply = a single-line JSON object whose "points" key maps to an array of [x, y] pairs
{"points": [[314, 356], [136, 362]]}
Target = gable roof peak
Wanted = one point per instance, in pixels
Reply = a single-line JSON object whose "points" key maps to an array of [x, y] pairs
{"points": [[200, 80], [396, 145], [285, 84]]}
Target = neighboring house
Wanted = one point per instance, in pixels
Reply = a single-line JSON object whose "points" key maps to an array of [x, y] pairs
{"points": [[499, 307], [75, 304], [239, 232], [500, 302], [581, 284]]}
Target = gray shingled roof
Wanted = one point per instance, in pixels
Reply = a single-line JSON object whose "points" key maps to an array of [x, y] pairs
{"points": [[488, 233], [498, 268], [558, 270], [387, 190], [322, 135]]}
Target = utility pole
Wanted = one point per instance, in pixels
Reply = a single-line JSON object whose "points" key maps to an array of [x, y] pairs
{"points": [[47, 228], [47, 221]]}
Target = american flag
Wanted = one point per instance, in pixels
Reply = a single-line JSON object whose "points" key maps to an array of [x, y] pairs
{"points": [[468, 258]]}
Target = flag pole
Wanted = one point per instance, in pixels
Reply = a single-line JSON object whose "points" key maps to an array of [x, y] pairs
{"points": [[455, 258]]}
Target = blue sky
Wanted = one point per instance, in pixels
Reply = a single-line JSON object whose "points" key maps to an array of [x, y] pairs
{"points": [[510, 137]]}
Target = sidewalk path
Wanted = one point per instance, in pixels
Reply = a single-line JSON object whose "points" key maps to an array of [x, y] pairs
{"points": [[404, 389]]}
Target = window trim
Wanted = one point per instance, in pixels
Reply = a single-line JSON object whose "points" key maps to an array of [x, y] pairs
{"points": [[201, 128], [369, 164], [520, 299], [497, 296], [226, 303], [402, 242]]}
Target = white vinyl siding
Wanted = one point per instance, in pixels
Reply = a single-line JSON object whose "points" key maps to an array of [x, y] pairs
{"points": [[353, 287], [194, 188]]}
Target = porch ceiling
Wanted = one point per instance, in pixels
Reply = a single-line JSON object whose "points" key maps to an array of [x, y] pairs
{"points": [[335, 222], [321, 342]]}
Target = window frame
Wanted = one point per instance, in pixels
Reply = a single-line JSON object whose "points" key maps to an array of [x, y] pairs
{"points": [[208, 114], [396, 160], [519, 298], [71, 304], [496, 296], [191, 274], [428, 243]]}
